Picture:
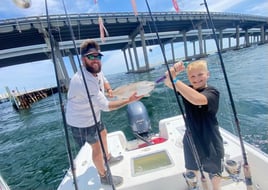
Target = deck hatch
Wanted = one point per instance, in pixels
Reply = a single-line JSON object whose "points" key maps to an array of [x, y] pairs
{"points": [[150, 162]]}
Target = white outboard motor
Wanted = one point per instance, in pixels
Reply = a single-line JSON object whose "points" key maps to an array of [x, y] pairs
{"points": [[138, 119]]}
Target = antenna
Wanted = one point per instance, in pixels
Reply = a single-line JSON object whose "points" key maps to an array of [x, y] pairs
{"points": [[24, 4]]}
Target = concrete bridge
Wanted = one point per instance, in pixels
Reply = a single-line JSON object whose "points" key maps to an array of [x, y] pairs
{"points": [[25, 40]]}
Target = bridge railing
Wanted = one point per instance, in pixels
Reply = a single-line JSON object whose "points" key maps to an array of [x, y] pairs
{"points": [[34, 19]]}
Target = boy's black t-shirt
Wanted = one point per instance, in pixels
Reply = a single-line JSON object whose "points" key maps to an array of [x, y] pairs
{"points": [[203, 124]]}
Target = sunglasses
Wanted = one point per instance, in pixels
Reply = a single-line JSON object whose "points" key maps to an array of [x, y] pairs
{"points": [[93, 57]]}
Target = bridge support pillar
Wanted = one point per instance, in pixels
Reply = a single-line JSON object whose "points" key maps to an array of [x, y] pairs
{"points": [[61, 70], [205, 47], [247, 38], [220, 39], [60, 67], [237, 37], [126, 61], [229, 42], [172, 51], [185, 44], [130, 58], [71, 58], [145, 54], [135, 53], [200, 39], [194, 48], [262, 34]]}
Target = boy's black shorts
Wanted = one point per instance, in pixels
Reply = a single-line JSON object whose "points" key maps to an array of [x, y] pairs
{"points": [[212, 165]]}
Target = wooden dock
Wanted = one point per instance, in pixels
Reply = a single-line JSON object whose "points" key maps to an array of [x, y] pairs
{"points": [[24, 100]]}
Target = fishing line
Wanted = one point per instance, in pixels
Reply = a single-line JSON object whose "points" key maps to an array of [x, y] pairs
{"points": [[188, 134], [88, 96], [60, 99], [219, 77], [247, 172]]}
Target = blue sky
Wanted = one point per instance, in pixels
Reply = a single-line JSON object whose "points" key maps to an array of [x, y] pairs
{"points": [[38, 75]]}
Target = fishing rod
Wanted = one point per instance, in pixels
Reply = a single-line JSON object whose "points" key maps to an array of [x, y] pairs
{"points": [[247, 172], [188, 133], [89, 97], [60, 100]]}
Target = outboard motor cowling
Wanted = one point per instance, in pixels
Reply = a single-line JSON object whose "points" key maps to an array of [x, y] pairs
{"points": [[138, 118]]}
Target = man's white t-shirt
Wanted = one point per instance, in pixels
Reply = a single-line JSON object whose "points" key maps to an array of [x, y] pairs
{"points": [[78, 110]]}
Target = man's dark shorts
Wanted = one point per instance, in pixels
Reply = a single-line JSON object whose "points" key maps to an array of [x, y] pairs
{"points": [[87, 134]]}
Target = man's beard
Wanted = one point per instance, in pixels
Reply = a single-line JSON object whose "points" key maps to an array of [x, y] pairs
{"points": [[92, 69]]}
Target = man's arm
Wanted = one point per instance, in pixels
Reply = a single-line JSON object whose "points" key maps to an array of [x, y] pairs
{"points": [[107, 88], [116, 104]]}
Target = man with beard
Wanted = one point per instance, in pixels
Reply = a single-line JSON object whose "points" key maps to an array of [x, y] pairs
{"points": [[79, 113]]}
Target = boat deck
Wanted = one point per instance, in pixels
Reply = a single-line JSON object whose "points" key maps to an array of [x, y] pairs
{"points": [[160, 166]]}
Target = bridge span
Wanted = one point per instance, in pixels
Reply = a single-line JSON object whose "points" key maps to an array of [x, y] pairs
{"points": [[24, 40]]}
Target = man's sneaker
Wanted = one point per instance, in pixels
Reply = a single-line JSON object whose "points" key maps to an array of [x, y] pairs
{"points": [[114, 160], [116, 180]]}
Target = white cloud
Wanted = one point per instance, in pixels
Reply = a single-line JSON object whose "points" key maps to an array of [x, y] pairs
{"points": [[113, 62], [223, 5], [260, 9], [214, 6]]}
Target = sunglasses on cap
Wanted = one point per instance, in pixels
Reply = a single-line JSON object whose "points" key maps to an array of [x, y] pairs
{"points": [[93, 57]]}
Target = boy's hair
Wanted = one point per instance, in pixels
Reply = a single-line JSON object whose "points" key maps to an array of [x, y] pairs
{"points": [[199, 64]]}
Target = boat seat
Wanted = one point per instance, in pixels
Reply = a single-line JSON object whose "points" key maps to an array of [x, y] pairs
{"points": [[117, 143]]}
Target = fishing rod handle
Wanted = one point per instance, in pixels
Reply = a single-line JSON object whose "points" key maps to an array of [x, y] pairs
{"points": [[164, 77]]}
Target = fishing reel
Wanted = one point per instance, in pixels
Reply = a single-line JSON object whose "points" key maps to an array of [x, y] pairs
{"points": [[233, 169], [191, 180]]}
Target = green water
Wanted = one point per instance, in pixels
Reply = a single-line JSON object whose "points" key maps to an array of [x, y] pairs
{"points": [[33, 153]]}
